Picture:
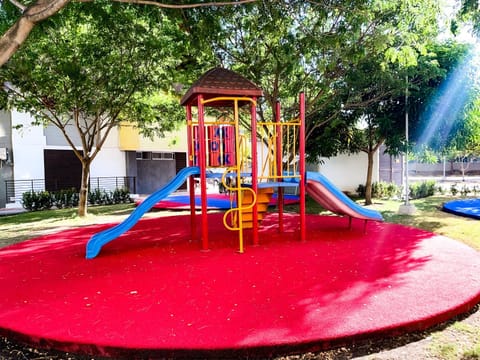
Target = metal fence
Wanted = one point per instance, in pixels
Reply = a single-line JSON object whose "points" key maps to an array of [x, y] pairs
{"points": [[16, 188]]}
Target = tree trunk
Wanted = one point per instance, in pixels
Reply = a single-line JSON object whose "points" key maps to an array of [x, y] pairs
{"points": [[83, 200], [368, 183]]}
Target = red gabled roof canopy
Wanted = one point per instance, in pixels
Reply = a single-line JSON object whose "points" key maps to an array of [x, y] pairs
{"points": [[220, 82]]}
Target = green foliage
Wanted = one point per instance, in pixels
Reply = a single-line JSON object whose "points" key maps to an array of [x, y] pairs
{"points": [[475, 190], [381, 190], [453, 189], [37, 200], [445, 123], [95, 65], [68, 198], [470, 13], [8, 15], [464, 190], [422, 189], [66, 66], [103, 197], [339, 53], [426, 155], [464, 141], [121, 196], [441, 190]]}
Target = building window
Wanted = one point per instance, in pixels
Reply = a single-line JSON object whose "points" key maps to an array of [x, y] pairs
{"points": [[144, 155], [163, 156], [148, 155]]}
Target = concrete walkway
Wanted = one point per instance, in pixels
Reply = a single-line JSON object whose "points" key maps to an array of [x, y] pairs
{"points": [[11, 211]]}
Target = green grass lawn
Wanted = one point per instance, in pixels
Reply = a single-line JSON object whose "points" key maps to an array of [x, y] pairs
{"points": [[15, 228], [430, 217]]}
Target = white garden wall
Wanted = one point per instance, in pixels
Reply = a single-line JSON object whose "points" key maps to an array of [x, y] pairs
{"points": [[347, 171]]}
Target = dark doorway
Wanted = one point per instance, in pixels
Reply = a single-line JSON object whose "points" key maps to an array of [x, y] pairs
{"points": [[63, 170], [180, 163]]}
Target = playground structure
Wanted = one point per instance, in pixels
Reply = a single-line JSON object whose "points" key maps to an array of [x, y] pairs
{"points": [[254, 165], [258, 158]]}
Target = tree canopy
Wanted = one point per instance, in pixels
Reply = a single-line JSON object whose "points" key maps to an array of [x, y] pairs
{"points": [[291, 46], [29, 13], [93, 67]]}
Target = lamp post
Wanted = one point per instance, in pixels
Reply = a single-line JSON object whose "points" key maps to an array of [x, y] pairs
{"points": [[406, 208]]}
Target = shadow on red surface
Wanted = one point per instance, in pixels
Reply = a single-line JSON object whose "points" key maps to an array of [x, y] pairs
{"points": [[152, 291]]}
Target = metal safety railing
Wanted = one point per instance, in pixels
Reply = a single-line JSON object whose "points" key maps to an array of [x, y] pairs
{"points": [[275, 164], [14, 189]]}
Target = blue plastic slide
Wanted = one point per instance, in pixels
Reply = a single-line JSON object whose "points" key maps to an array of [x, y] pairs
{"points": [[332, 199], [96, 242]]}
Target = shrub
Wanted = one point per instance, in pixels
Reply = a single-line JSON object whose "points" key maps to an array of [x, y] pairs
{"points": [[381, 190], [28, 200], [361, 190], [37, 200], [102, 197], [121, 196], [95, 197], [422, 189], [66, 198], [44, 200], [465, 190], [453, 189], [475, 190]]}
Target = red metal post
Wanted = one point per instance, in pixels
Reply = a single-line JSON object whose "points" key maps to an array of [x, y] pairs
{"points": [[279, 158], [191, 180], [253, 123], [303, 173], [203, 178]]}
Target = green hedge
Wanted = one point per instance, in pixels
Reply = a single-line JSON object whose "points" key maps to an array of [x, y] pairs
{"points": [[37, 200], [422, 189], [384, 190], [381, 190], [67, 198]]}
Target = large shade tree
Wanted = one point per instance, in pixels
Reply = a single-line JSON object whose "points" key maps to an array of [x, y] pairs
{"points": [[93, 67], [291, 46], [397, 92], [350, 58]]}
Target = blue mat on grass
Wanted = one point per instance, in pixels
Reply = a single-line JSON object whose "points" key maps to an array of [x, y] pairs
{"points": [[464, 207]]}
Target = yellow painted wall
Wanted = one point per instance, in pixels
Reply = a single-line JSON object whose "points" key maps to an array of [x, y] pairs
{"points": [[131, 140]]}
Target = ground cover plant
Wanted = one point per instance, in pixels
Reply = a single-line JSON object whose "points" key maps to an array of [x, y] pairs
{"points": [[457, 339]]}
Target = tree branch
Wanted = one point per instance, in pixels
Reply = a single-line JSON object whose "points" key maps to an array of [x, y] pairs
{"points": [[18, 5], [18, 33], [41, 10], [185, 6]]}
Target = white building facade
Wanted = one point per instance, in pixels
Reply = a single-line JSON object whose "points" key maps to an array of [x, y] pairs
{"points": [[39, 158]]}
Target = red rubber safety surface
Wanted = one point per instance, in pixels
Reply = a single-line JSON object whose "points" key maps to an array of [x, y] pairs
{"points": [[152, 291]]}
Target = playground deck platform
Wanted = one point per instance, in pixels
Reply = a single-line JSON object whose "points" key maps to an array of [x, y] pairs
{"points": [[153, 293]]}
